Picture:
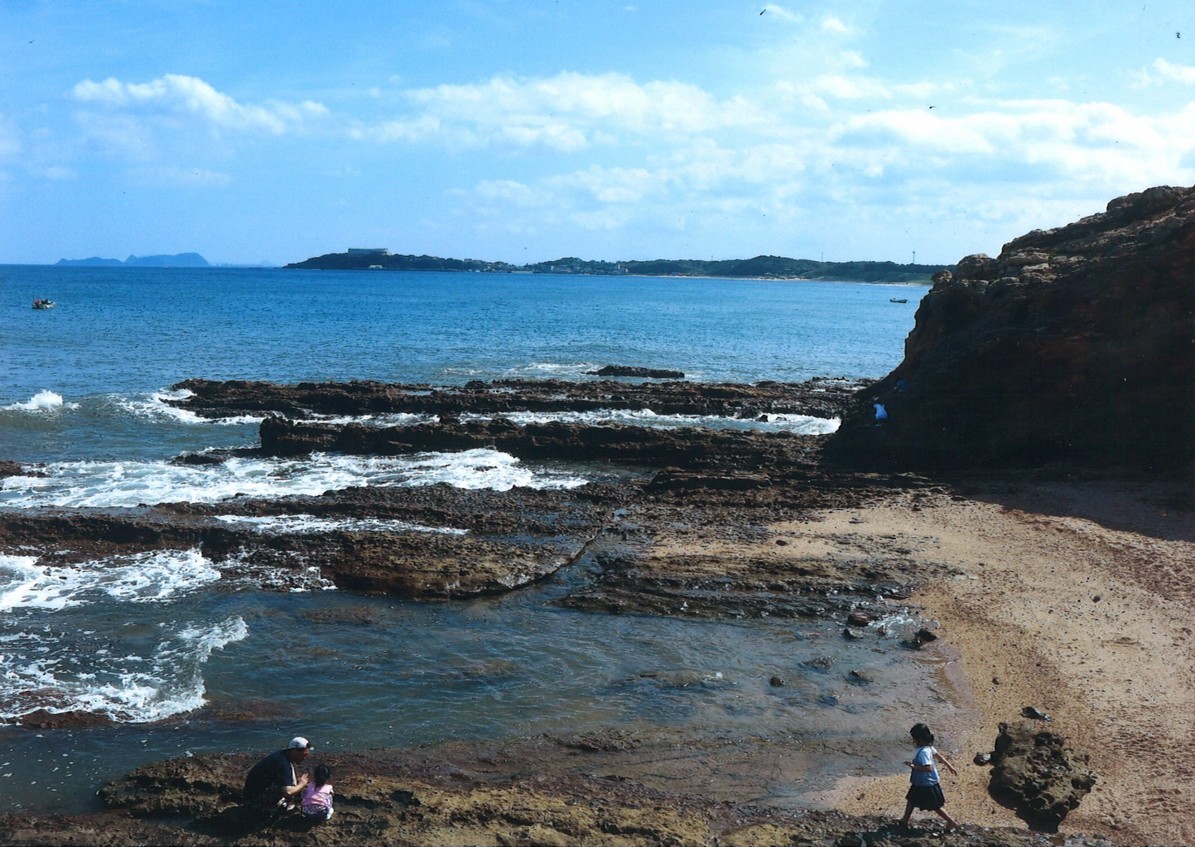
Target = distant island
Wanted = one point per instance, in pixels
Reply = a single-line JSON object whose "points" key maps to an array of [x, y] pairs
{"points": [[760, 267], [178, 260]]}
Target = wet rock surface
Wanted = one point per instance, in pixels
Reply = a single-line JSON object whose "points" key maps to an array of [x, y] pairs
{"points": [[646, 485], [635, 371], [654, 498], [1075, 345], [543, 791], [818, 397], [461, 543]]}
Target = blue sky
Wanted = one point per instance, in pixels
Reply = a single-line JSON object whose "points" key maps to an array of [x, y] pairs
{"points": [[526, 130]]}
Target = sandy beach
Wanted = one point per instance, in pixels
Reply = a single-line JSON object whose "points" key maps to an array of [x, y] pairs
{"points": [[1076, 599]]}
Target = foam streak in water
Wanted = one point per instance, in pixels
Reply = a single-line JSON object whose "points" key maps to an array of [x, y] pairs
{"points": [[154, 408], [138, 578], [310, 524], [80, 672], [803, 424], [131, 483]]}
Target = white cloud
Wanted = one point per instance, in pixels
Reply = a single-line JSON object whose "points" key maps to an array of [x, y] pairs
{"points": [[1176, 73], [10, 142], [419, 129], [834, 25], [916, 130], [610, 186], [117, 133], [1052, 140], [849, 88], [782, 13], [567, 112], [176, 94], [179, 177], [987, 165]]}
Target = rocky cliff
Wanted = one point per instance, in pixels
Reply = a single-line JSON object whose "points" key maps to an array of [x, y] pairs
{"points": [[1075, 346]]}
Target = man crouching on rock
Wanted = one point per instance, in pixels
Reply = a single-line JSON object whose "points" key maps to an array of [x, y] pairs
{"points": [[272, 784]]}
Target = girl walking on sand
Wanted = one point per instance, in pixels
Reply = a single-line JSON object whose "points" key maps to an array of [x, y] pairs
{"points": [[925, 792]]}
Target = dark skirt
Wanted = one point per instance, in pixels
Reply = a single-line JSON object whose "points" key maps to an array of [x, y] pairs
{"points": [[928, 798]]}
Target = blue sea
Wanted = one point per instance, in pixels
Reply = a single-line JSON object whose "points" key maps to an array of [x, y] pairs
{"points": [[168, 648]]}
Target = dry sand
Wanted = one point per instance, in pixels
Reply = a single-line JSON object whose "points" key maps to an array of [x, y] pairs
{"points": [[1080, 600]]}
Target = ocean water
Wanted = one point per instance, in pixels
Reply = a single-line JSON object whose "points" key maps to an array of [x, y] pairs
{"points": [[184, 660]]}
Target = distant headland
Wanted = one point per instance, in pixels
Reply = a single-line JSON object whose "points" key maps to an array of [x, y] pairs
{"points": [[178, 260], [760, 267]]}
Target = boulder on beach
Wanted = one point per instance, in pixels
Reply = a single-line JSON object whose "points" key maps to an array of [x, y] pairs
{"points": [[1038, 773]]}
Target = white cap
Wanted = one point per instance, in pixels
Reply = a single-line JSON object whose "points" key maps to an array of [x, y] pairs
{"points": [[299, 743]]}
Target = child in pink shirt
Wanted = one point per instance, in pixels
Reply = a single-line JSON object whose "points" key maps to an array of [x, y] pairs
{"points": [[317, 797]]}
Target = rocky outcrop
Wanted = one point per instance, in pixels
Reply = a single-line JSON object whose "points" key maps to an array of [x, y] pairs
{"points": [[632, 371], [691, 448], [1037, 773], [1075, 346], [8, 468], [440, 542], [443, 542], [825, 398], [542, 791]]}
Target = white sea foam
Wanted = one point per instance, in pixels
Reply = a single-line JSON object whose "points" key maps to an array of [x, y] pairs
{"points": [[480, 469], [153, 407], [42, 401], [309, 524], [551, 370], [122, 484], [803, 424], [899, 624], [139, 578], [64, 675], [390, 419]]}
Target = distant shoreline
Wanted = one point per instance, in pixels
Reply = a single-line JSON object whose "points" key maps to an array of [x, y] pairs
{"points": [[759, 267], [845, 277]]}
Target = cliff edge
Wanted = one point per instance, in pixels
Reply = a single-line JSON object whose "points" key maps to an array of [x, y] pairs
{"points": [[1074, 347]]}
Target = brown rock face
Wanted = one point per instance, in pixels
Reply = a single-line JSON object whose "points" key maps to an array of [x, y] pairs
{"points": [[1038, 774], [1075, 345]]}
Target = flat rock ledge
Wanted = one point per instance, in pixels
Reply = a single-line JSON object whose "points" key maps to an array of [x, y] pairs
{"points": [[501, 797]]}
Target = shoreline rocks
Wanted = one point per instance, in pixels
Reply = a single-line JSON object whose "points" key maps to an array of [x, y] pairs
{"points": [[818, 397], [542, 790], [1074, 346], [1035, 771], [632, 371], [645, 485]]}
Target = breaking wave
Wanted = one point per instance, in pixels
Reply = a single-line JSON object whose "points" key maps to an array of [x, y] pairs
{"points": [[133, 483]]}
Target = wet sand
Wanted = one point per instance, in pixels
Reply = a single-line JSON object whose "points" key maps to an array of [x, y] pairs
{"points": [[1074, 598]]}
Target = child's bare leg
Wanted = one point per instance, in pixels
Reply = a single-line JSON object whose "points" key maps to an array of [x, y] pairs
{"points": [[908, 813], [950, 822]]}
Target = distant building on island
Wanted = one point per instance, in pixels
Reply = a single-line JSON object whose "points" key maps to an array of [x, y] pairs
{"points": [[369, 251]]}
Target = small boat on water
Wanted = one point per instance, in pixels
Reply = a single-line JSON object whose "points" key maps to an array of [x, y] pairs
{"points": [[899, 300], [43, 303]]}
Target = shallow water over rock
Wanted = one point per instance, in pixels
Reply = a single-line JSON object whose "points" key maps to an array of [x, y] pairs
{"points": [[353, 672]]}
